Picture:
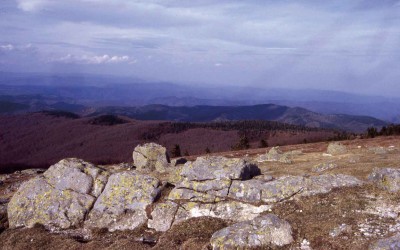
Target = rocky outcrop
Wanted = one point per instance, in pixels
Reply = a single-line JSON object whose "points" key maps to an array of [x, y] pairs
{"points": [[275, 154], [263, 231], [122, 205], [386, 178], [151, 156], [391, 243], [336, 148], [59, 199], [208, 178]]}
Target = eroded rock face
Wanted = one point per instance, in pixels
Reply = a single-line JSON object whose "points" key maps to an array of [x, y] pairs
{"points": [[151, 156], [386, 178], [391, 243], [163, 216], [122, 204], [208, 178], [263, 231], [60, 198]]}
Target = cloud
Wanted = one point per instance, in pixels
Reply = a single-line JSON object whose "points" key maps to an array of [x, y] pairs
{"points": [[86, 59], [32, 5], [7, 47]]}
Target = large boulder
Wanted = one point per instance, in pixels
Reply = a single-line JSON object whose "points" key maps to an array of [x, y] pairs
{"points": [[208, 178], [122, 205], [391, 243], [264, 231], [150, 156], [386, 178], [60, 198]]}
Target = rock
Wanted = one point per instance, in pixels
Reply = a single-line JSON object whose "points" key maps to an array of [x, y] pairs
{"points": [[151, 156], [343, 228], [218, 167], [122, 204], [163, 216], [247, 191], [336, 148], [275, 154], [263, 231], [77, 175], [38, 202], [3, 217], [226, 210], [391, 243], [378, 150], [324, 167], [322, 184], [208, 178], [283, 188], [386, 178], [60, 198]]}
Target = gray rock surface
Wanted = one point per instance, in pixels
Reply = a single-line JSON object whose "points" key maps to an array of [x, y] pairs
{"points": [[391, 243], [208, 178], [151, 156], [163, 216], [37, 202], [275, 154], [263, 231], [322, 167], [122, 204], [60, 198], [336, 148], [386, 178]]}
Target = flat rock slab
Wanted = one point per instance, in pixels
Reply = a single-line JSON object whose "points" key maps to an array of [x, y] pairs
{"points": [[122, 204], [386, 178], [264, 231], [218, 168]]}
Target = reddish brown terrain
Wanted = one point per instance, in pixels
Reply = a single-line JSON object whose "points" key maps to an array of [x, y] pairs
{"points": [[38, 140]]}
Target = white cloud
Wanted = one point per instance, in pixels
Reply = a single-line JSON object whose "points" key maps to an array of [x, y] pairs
{"points": [[32, 5], [86, 59], [7, 47]]}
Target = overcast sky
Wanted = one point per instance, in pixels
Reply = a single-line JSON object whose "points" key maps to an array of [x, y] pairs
{"points": [[348, 45]]}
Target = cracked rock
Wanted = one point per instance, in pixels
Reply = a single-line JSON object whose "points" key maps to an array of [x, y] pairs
{"points": [[122, 204], [60, 198], [163, 216], [151, 156], [386, 178]]}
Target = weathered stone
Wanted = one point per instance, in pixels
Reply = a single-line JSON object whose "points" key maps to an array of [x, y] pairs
{"points": [[122, 204], [191, 195], [247, 191], [227, 210], [77, 175], [386, 178], [336, 148], [324, 167], [163, 216], [391, 243], [3, 217], [275, 154], [218, 168], [38, 202], [151, 156], [343, 228], [282, 188], [213, 187], [322, 184], [263, 231]]}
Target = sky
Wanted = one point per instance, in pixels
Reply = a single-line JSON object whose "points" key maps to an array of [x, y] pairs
{"points": [[347, 45]]}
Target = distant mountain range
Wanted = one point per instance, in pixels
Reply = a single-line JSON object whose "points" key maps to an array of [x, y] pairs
{"points": [[88, 94]]}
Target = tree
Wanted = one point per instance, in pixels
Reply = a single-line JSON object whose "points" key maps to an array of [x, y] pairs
{"points": [[263, 143], [176, 151], [186, 153], [372, 132], [242, 144], [208, 151]]}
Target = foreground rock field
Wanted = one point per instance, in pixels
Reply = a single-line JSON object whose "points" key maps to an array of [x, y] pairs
{"points": [[310, 196]]}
